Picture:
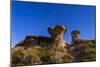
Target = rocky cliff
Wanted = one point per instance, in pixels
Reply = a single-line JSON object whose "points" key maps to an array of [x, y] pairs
{"points": [[56, 39], [53, 49]]}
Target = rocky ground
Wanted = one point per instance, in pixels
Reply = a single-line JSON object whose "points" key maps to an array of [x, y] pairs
{"points": [[51, 50]]}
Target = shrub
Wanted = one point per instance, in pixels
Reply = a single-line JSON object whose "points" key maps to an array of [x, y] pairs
{"points": [[39, 55]]}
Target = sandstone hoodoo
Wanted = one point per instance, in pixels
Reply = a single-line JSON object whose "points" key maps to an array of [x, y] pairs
{"points": [[56, 38], [74, 35], [82, 49], [53, 49]]}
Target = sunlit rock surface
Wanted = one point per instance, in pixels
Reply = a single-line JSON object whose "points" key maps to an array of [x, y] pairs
{"points": [[53, 49]]}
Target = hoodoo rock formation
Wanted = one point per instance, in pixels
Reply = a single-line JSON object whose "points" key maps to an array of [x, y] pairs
{"points": [[53, 49], [56, 38], [74, 35]]}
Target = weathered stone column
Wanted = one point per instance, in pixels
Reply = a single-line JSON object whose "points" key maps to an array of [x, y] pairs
{"points": [[74, 35], [57, 35]]}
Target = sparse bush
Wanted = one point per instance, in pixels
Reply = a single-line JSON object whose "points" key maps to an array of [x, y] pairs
{"points": [[84, 51], [45, 55], [39, 55]]}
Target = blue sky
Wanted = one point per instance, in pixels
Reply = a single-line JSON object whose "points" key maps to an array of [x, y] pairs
{"points": [[33, 18]]}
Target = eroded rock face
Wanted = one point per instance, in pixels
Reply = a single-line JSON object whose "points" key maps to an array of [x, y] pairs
{"points": [[74, 35], [39, 49], [57, 35], [56, 38]]}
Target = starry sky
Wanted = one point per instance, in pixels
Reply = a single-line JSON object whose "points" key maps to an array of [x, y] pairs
{"points": [[33, 18]]}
